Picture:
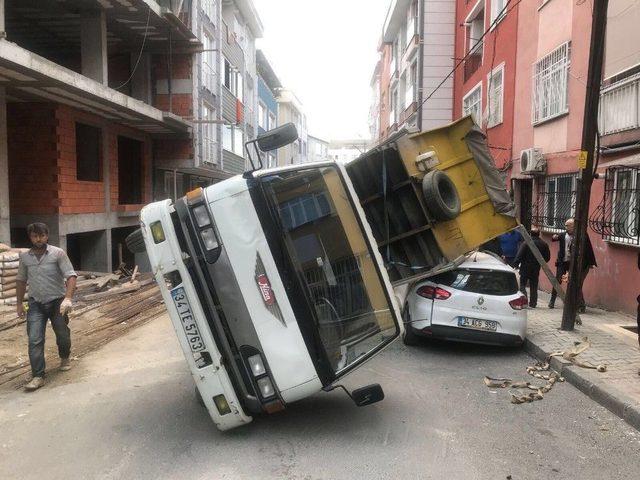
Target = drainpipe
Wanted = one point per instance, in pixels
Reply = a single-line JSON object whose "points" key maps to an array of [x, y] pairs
{"points": [[420, 61], [170, 72], [611, 151]]}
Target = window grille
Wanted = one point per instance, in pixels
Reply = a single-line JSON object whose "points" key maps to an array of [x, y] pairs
{"points": [[619, 106], [617, 218], [555, 202], [550, 84]]}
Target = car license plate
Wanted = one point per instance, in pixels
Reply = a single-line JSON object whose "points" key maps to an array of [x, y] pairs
{"points": [[186, 318], [478, 324]]}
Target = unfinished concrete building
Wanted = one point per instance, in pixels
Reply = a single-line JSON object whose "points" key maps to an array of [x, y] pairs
{"points": [[89, 90]]}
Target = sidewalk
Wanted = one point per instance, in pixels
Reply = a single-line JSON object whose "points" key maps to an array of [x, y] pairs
{"points": [[617, 389]]}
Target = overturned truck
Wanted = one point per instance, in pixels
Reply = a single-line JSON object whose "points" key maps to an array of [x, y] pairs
{"points": [[279, 282]]}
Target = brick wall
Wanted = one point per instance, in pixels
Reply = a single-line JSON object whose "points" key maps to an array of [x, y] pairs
{"points": [[42, 161], [181, 68], [75, 196], [33, 174]]}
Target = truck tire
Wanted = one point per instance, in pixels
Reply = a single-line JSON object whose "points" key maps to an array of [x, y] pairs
{"points": [[135, 241], [441, 196]]}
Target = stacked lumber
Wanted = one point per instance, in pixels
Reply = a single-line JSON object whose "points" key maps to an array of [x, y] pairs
{"points": [[9, 260]]}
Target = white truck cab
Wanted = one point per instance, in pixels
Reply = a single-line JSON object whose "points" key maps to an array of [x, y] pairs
{"points": [[274, 287]]}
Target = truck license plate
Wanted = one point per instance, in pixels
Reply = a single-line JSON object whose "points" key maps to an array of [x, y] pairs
{"points": [[186, 318], [477, 324]]}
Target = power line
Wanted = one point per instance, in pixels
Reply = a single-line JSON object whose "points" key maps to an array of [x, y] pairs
{"points": [[144, 40]]}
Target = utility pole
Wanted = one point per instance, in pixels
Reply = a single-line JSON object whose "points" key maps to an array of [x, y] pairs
{"points": [[589, 132]]}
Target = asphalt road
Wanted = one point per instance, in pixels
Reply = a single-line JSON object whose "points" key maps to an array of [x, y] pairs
{"points": [[128, 411]]}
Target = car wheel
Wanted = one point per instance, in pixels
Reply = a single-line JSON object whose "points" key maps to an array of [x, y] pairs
{"points": [[409, 336], [441, 196]]}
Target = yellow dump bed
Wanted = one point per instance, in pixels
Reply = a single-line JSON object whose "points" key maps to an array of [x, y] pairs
{"points": [[413, 234]]}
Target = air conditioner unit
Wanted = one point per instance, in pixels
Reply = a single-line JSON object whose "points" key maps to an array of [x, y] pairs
{"points": [[532, 161]]}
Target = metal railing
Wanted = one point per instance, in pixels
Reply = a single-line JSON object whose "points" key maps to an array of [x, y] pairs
{"points": [[619, 106], [617, 217], [555, 202]]}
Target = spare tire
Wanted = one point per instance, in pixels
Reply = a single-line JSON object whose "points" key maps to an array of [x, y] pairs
{"points": [[135, 242], [441, 196]]}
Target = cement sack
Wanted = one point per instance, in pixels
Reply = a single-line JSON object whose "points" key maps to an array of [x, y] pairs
{"points": [[7, 286], [9, 301], [9, 278], [9, 257], [8, 293], [8, 272], [9, 265]]}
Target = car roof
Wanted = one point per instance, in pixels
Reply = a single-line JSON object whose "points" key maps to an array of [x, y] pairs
{"points": [[485, 261]]}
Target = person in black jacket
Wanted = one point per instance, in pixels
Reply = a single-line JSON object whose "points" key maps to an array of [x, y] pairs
{"points": [[564, 258], [529, 266]]}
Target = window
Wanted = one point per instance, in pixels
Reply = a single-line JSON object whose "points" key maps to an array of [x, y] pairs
{"points": [[238, 89], [472, 103], [238, 141], [394, 104], [556, 202], [498, 10], [227, 80], [233, 139], [495, 93], [227, 137], [88, 153], [475, 28], [208, 60], [209, 7], [412, 14], [130, 171], [617, 218], [550, 84], [410, 89], [208, 135], [263, 121], [272, 120], [485, 282]]}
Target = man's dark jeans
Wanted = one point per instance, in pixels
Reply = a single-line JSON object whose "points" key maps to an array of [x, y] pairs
{"points": [[37, 317], [560, 271], [532, 280]]}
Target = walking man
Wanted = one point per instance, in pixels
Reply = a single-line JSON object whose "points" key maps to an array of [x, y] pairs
{"points": [[45, 269], [529, 266], [564, 258]]}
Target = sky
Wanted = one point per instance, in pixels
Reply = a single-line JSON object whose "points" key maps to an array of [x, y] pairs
{"points": [[325, 52]]}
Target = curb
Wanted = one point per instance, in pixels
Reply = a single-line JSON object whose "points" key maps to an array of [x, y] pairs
{"points": [[588, 383]]}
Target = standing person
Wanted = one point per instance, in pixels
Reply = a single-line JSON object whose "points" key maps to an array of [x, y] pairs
{"points": [[510, 243], [529, 266], [564, 258], [45, 269]]}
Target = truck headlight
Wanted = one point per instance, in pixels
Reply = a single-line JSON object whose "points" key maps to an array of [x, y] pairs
{"points": [[157, 232], [209, 239], [266, 387], [201, 215], [256, 365]]}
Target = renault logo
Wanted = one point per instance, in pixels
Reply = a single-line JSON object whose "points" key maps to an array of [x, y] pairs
{"points": [[480, 300]]}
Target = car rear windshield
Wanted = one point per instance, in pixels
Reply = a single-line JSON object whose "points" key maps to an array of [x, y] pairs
{"points": [[486, 282]]}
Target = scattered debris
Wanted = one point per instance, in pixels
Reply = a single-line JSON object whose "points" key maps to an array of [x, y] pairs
{"points": [[571, 354]]}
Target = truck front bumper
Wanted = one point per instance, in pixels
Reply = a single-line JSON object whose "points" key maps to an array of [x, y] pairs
{"points": [[165, 258]]}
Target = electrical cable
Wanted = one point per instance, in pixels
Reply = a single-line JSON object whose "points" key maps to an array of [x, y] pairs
{"points": [[144, 40]]}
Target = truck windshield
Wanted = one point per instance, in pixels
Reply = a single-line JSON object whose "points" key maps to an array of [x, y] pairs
{"points": [[329, 251]]}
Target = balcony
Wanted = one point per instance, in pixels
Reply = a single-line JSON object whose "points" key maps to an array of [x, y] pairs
{"points": [[619, 105], [472, 64]]}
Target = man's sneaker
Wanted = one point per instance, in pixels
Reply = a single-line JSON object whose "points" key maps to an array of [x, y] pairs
{"points": [[34, 384], [65, 364]]}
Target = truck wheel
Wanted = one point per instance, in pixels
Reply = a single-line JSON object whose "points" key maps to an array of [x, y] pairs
{"points": [[409, 337], [441, 195], [135, 241]]}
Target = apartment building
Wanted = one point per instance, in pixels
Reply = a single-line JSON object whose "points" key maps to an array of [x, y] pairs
{"points": [[86, 95], [268, 87], [318, 149], [345, 150], [487, 76], [416, 53], [290, 110]]}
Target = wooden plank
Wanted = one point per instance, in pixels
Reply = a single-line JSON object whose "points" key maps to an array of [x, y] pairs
{"points": [[129, 287]]}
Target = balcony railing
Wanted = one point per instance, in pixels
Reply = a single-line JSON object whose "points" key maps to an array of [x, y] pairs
{"points": [[619, 106], [471, 64]]}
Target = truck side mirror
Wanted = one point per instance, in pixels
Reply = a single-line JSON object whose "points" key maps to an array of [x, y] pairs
{"points": [[278, 137], [367, 395]]}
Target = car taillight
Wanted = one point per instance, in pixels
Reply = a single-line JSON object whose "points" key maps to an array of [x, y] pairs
{"points": [[519, 303], [434, 293]]}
